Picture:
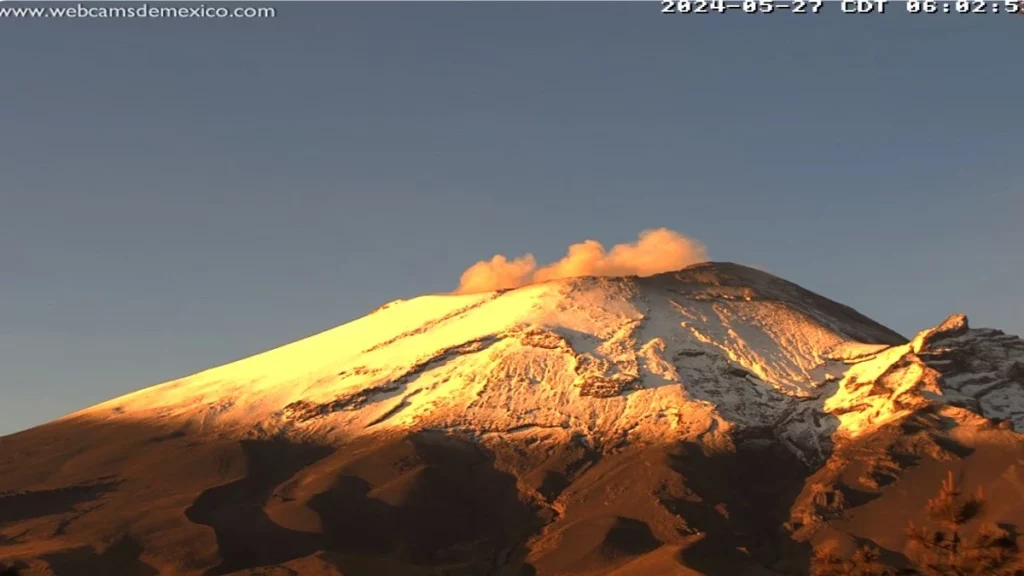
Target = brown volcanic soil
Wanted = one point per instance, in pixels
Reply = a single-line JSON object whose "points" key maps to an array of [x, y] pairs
{"points": [[886, 480], [81, 497]]}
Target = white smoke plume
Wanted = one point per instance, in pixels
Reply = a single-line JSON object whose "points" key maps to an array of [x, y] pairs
{"points": [[655, 251]]}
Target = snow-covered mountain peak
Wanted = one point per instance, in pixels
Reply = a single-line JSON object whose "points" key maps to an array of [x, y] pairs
{"points": [[689, 354]]}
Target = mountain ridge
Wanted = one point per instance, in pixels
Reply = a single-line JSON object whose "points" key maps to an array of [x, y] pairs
{"points": [[607, 335], [714, 420], [714, 345]]}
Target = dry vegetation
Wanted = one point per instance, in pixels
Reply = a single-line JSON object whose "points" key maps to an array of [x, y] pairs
{"points": [[945, 547], [952, 543]]}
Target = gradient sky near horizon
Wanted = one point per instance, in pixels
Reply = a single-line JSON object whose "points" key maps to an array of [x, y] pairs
{"points": [[177, 194]]}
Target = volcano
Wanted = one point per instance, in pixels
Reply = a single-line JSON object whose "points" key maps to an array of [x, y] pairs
{"points": [[716, 420]]}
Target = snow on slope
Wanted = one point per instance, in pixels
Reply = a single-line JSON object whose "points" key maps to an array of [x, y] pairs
{"points": [[690, 354], [978, 371]]}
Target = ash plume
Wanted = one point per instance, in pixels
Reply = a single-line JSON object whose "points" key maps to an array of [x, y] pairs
{"points": [[654, 251]]}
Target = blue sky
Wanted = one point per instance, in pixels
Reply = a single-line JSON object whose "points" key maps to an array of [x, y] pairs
{"points": [[179, 194]]}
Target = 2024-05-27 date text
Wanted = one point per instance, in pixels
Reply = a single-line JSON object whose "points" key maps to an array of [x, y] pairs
{"points": [[745, 6]]}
